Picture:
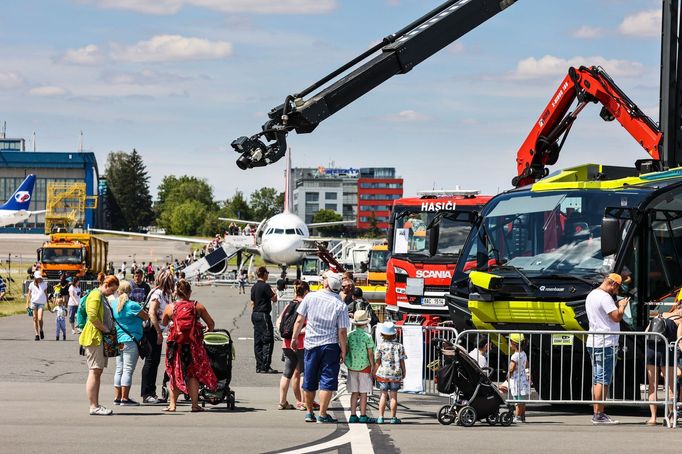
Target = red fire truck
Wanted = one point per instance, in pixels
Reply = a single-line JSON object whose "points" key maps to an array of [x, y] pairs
{"points": [[425, 239]]}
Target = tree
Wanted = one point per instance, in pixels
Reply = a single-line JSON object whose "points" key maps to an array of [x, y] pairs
{"points": [[374, 231], [238, 206], [328, 216], [186, 196], [128, 185], [264, 203], [187, 217]]}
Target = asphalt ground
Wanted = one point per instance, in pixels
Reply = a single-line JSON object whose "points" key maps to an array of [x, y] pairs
{"points": [[43, 409]]}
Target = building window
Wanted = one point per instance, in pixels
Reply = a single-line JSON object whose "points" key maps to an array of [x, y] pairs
{"points": [[312, 197], [330, 206], [330, 195]]}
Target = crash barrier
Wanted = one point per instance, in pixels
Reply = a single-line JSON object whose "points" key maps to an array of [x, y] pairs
{"points": [[84, 285], [559, 367], [380, 311]]}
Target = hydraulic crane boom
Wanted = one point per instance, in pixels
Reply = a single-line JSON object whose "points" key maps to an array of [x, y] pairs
{"points": [[593, 84], [400, 52]]}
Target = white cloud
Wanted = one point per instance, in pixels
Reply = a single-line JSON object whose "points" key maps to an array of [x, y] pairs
{"points": [[551, 66], [643, 24], [172, 47], [587, 32], [407, 116], [47, 91], [88, 55], [456, 48], [226, 6], [10, 79]]}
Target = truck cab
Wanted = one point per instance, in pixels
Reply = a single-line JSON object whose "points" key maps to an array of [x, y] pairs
{"points": [[376, 264]]}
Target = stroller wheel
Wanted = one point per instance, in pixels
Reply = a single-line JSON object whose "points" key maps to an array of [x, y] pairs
{"points": [[506, 418], [492, 419], [467, 416], [445, 416], [164, 392]]}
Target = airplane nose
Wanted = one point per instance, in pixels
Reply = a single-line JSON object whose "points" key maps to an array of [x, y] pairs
{"points": [[281, 250]]}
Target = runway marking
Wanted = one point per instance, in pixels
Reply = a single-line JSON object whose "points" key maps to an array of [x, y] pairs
{"points": [[245, 338], [357, 436]]}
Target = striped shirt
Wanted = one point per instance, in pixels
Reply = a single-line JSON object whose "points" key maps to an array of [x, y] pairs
{"points": [[325, 314]]}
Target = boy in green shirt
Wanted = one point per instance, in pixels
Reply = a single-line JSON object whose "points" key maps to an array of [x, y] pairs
{"points": [[360, 363]]}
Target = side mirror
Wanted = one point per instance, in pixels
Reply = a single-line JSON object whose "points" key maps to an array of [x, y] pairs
{"points": [[610, 236], [433, 239], [389, 237]]}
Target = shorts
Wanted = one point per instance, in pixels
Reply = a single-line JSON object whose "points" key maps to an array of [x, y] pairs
{"points": [[36, 306], [521, 397], [359, 382], [72, 313], [95, 357], [392, 386], [603, 364], [293, 361], [321, 368], [655, 355]]}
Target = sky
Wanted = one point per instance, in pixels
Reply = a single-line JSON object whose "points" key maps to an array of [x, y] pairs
{"points": [[178, 80]]}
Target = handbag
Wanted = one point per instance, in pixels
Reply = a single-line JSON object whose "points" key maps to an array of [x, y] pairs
{"points": [[147, 324], [142, 347], [111, 346]]}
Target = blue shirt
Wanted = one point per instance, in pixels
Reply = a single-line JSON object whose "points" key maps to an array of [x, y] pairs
{"points": [[128, 319], [325, 314]]}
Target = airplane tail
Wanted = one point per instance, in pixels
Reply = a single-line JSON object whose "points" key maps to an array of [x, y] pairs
{"points": [[21, 199]]}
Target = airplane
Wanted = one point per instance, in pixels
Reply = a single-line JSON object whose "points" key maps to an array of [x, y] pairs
{"points": [[15, 210], [283, 240]]}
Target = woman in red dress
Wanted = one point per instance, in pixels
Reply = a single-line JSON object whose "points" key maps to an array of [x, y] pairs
{"points": [[187, 364]]}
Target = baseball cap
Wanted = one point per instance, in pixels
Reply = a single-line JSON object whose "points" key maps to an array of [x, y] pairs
{"points": [[334, 281], [517, 338], [616, 278], [37, 275]]}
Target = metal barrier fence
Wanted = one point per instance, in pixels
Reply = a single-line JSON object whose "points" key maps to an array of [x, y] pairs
{"points": [[84, 285], [559, 367]]}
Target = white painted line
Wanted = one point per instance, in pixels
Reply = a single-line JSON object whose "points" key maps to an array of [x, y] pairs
{"points": [[245, 338], [357, 436]]}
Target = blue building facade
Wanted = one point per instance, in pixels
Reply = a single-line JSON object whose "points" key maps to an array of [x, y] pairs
{"points": [[47, 166]]}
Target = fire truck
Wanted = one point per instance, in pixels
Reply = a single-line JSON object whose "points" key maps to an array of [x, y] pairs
{"points": [[425, 238]]}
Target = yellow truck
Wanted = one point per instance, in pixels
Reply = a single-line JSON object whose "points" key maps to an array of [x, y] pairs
{"points": [[376, 266], [78, 254]]}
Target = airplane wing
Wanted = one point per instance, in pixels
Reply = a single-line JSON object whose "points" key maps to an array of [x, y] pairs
{"points": [[31, 213], [239, 221], [329, 224], [153, 235]]}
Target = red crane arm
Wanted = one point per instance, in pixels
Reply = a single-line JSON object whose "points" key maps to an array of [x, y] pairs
{"points": [[543, 145]]}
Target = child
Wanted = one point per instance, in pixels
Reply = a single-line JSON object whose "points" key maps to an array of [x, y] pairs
{"points": [[389, 370], [360, 363], [60, 312], [519, 387]]}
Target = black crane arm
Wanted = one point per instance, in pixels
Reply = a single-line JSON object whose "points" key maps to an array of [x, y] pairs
{"points": [[400, 52]]}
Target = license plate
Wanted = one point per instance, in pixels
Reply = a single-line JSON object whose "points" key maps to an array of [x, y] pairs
{"points": [[433, 301]]}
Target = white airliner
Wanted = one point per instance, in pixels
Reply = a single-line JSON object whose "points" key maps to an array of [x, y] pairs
{"points": [[15, 210], [283, 239]]}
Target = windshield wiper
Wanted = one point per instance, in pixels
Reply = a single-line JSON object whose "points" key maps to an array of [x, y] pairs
{"points": [[521, 274], [571, 276]]}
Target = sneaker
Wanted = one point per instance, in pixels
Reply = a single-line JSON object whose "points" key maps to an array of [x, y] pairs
{"points": [[37, 337], [101, 411], [64, 337], [518, 420], [602, 418], [117, 401], [354, 418], [366, 420], [310, 417], [150, 400], [316, 406], [73, 331], [380, 420], [57, 338], [326, 420], [269, 370], [301, 406], [395, 421], [129, 402], [42, 334]]}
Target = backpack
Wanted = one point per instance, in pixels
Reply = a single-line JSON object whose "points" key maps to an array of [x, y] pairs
{"points": [[184, 321], [82, 314], [659, 325], [286, 324]]}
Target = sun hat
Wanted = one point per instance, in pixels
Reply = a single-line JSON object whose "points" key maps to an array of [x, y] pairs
{"points": [[37, 275], [388, 329], [361, 317], [517, 338], [334, 281]]}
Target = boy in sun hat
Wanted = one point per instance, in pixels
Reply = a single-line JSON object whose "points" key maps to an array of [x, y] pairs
{"points": [[389, 369], [360, 363]]}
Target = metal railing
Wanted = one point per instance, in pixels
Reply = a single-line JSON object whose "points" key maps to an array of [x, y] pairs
{"points": [[559, 366], [84, 285]]}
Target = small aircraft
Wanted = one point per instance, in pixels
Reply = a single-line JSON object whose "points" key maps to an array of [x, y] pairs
{"points": [[15, 210], [283, 240]]}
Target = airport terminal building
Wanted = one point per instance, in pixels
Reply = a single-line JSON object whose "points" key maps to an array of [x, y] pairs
{"points": [[65, 167]]}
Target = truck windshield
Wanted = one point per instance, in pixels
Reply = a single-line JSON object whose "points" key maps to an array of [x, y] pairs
{"points": [[545, 233], [62, 256], [412, 237], [378, 261]]}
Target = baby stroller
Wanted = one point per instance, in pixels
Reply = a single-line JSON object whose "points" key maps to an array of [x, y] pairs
{"points": [[220, 351], [473, 396]]}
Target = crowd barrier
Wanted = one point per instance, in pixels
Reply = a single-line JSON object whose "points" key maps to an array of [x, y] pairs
{"points": [[559, 368], [84, 285]]}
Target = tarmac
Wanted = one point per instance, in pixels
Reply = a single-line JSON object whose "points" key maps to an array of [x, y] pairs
{"points": [[43, 409]]}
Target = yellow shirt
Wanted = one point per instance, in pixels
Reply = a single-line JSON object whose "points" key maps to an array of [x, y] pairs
{"points": [[91, 336]]}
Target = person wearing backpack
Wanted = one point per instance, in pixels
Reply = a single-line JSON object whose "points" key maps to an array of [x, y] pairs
{"points": [[187, 363], [668, 325], [359, 303], [293, 360], [99, 321]]}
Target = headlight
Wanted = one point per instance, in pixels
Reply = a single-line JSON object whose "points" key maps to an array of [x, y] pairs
{"points": [[398, 270]]}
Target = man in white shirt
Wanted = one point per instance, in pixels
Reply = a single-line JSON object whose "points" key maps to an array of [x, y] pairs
{"points": [[604, 316], [479, 354]]}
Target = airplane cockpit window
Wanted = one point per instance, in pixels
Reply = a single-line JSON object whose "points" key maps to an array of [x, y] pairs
{"points": [[280, 231], [291, 231], [299, 231]]}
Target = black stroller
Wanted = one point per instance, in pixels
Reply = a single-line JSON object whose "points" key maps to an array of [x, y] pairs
{"points": [[220, 352], [473, 396]]}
